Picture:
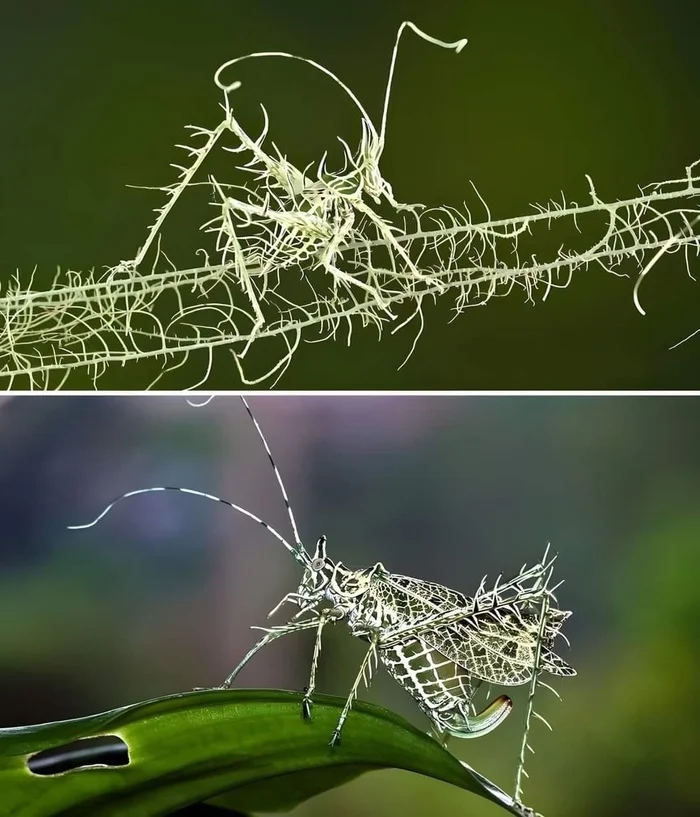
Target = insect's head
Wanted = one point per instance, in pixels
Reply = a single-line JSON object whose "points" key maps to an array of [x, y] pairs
{"points": [[318, 573]]}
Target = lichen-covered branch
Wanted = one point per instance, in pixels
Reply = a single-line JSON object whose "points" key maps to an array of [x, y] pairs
{"points": [[312, 254]]}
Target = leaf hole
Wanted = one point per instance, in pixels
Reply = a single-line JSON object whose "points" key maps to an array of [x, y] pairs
{"points": [[87, 753]]}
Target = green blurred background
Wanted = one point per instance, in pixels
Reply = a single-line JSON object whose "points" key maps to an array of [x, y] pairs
{"points": [[95, 95], [158, 598]]}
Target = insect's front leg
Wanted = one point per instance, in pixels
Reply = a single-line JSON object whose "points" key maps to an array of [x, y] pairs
{"points": [[270, 635], [326, 616], [295, 598]]}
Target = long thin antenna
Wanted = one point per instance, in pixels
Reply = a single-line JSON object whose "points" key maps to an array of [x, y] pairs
{"points": [[278, 476], [300, 557], [458, 45], [297, 549]]}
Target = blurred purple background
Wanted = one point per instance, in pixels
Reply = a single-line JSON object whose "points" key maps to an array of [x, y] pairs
{"points": [[158, 597]]}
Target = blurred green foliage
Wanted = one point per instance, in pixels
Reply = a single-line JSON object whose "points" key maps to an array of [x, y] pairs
{"points": [[97, 96], [243, 749]]}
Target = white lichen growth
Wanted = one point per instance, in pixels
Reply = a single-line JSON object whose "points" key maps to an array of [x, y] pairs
{"points": [[303, 254]]}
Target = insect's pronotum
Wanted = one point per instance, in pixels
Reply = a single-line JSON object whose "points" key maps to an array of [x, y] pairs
{"points": [[439, 644]]}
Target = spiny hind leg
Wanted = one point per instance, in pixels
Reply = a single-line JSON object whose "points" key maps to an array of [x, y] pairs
{"points": [[335, 738]]}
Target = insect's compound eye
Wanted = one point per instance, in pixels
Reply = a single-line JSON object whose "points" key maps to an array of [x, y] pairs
{"points": [[317, 564]]}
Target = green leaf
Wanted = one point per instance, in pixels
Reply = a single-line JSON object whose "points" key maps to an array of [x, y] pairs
{"points": [[240, 749]]}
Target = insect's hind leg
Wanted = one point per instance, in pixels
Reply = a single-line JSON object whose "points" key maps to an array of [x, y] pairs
{"points": [[335, 738]]}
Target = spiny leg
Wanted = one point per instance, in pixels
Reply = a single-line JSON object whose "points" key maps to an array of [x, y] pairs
{"points": [[521, 773], [293, 598], [335, 739], [306, 704], [270, 635]]}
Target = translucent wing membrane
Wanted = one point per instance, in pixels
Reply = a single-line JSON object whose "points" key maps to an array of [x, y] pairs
{"points": [[496, 651], [493, 635]]}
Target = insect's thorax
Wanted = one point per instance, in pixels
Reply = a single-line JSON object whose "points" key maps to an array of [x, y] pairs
{"points": [[357, 593]]}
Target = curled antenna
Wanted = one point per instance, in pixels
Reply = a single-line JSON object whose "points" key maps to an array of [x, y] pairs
{"points": [[233, 86], [457, 46], [201, 405], [372, 141]]}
